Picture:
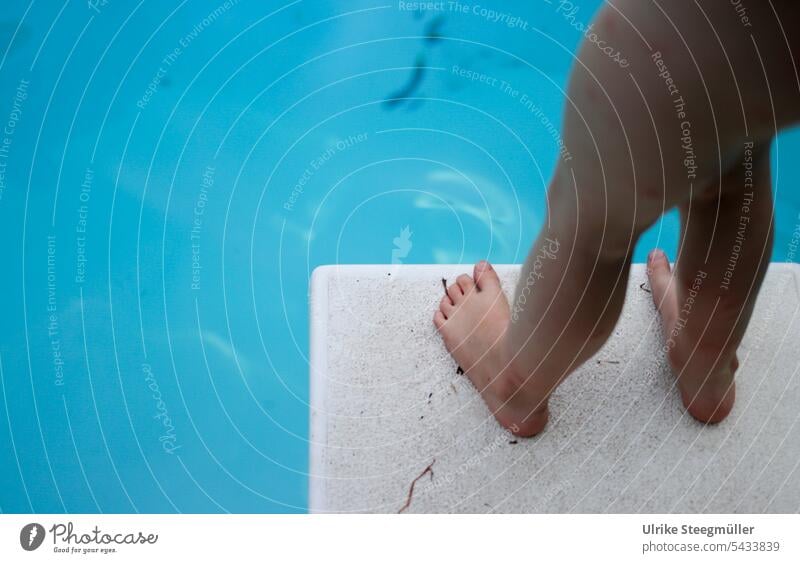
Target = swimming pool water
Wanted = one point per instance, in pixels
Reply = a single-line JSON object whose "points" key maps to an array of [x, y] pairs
{"points": [[170, 174]]}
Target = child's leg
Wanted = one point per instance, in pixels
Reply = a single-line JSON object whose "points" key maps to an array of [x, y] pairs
{"points": [[725, 248], [627, 129], [573, 283]]}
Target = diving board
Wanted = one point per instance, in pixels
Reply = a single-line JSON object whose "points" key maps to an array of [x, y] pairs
{"points": [[389, 409]]}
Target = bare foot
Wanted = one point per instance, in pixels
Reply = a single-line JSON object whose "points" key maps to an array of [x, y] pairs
{"points": [[473, 319], [707, 395]]}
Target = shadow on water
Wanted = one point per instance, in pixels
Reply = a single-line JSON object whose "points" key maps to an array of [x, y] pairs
{"points": [[467, 56], [410, 87]]}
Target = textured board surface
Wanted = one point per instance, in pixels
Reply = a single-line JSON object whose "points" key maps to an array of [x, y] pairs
{"points": [[387, 402]]}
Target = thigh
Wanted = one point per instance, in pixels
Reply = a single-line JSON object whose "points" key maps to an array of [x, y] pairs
{"points": [[662, 101]]}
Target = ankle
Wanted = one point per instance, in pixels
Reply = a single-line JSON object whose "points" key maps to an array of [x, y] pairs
{"points": [[515, 390], [704, 363]]}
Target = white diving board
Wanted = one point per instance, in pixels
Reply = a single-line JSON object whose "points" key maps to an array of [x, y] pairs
{"points": [[388, 410]]}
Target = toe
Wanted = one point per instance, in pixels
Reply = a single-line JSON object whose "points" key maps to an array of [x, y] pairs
{"points": [[662, 284], [438, 319], [455, 293], [710, 408], [485, 276], [465, 283], [446, 307]]}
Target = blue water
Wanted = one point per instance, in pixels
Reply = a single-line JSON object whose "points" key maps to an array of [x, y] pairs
{"points": [[171, 174]]}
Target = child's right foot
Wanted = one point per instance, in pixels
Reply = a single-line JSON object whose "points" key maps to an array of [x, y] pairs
{"points": [[707, 396], [473, 319]]}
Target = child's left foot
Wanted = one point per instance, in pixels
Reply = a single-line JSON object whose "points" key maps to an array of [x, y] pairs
{"points": [[707, 394], [473, 320]]}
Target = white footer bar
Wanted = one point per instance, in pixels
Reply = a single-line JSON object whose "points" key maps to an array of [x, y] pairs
{"points": [[400, 538]]}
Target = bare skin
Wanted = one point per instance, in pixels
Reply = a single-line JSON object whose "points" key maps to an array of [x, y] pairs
{"points": [[474, 318], [627, 129], [708, 395]]}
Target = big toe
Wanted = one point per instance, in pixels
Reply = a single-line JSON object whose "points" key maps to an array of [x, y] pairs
{"points": [[486, 276], [661, 283]]}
